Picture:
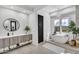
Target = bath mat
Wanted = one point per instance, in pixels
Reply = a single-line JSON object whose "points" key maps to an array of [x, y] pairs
{"points": [[54, 48]]}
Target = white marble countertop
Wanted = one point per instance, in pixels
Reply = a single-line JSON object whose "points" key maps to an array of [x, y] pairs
{"points": [[3, 37]]}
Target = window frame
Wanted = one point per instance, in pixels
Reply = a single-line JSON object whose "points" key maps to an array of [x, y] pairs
{"points": [[60, 24]]}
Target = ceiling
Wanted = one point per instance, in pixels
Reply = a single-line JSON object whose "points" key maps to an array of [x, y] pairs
{"points": [[53, 8], [32, 7], [47, 8]]}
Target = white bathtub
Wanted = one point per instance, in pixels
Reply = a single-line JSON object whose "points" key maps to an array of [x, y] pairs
{"points": [[61, 37]]}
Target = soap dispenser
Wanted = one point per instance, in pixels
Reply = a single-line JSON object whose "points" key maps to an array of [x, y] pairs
{"points": [[8, 34]]}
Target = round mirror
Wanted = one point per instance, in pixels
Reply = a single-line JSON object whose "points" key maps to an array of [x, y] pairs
{"points": [[11, 24]]}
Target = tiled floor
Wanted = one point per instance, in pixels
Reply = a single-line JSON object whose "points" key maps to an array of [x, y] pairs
{"points": [[31, 49]]}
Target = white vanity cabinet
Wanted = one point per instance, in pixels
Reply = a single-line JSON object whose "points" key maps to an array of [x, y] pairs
{"points": [[10, 42]]}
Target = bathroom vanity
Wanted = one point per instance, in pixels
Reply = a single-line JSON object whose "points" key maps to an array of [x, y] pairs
{"points": [[10, 42]]}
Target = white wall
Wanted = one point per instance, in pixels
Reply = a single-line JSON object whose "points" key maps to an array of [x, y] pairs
{"points": [[6, 13], [33, 23], [77, 15]]}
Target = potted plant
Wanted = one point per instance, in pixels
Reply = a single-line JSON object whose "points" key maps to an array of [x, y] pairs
{"points": [[72, 28], [75, 31], [27, 29]]}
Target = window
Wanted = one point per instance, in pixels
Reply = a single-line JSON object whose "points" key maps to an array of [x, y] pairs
{"points": [[63, 23], [57, 25], [57, 22]]}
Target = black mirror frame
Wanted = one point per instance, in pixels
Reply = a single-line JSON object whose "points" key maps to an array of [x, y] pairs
{"points": [[10, 20]]}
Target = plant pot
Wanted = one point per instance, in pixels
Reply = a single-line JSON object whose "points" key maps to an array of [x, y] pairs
{"points": [[72, 42]]}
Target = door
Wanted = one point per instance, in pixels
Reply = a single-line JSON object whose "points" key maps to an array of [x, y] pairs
{"points": [[40, 28]]}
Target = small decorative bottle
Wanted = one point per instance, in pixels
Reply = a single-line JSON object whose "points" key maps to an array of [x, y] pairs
{"points": [[8, 34]]}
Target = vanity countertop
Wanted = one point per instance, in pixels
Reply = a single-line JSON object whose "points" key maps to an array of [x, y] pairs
{"points": [[3, 37]]}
